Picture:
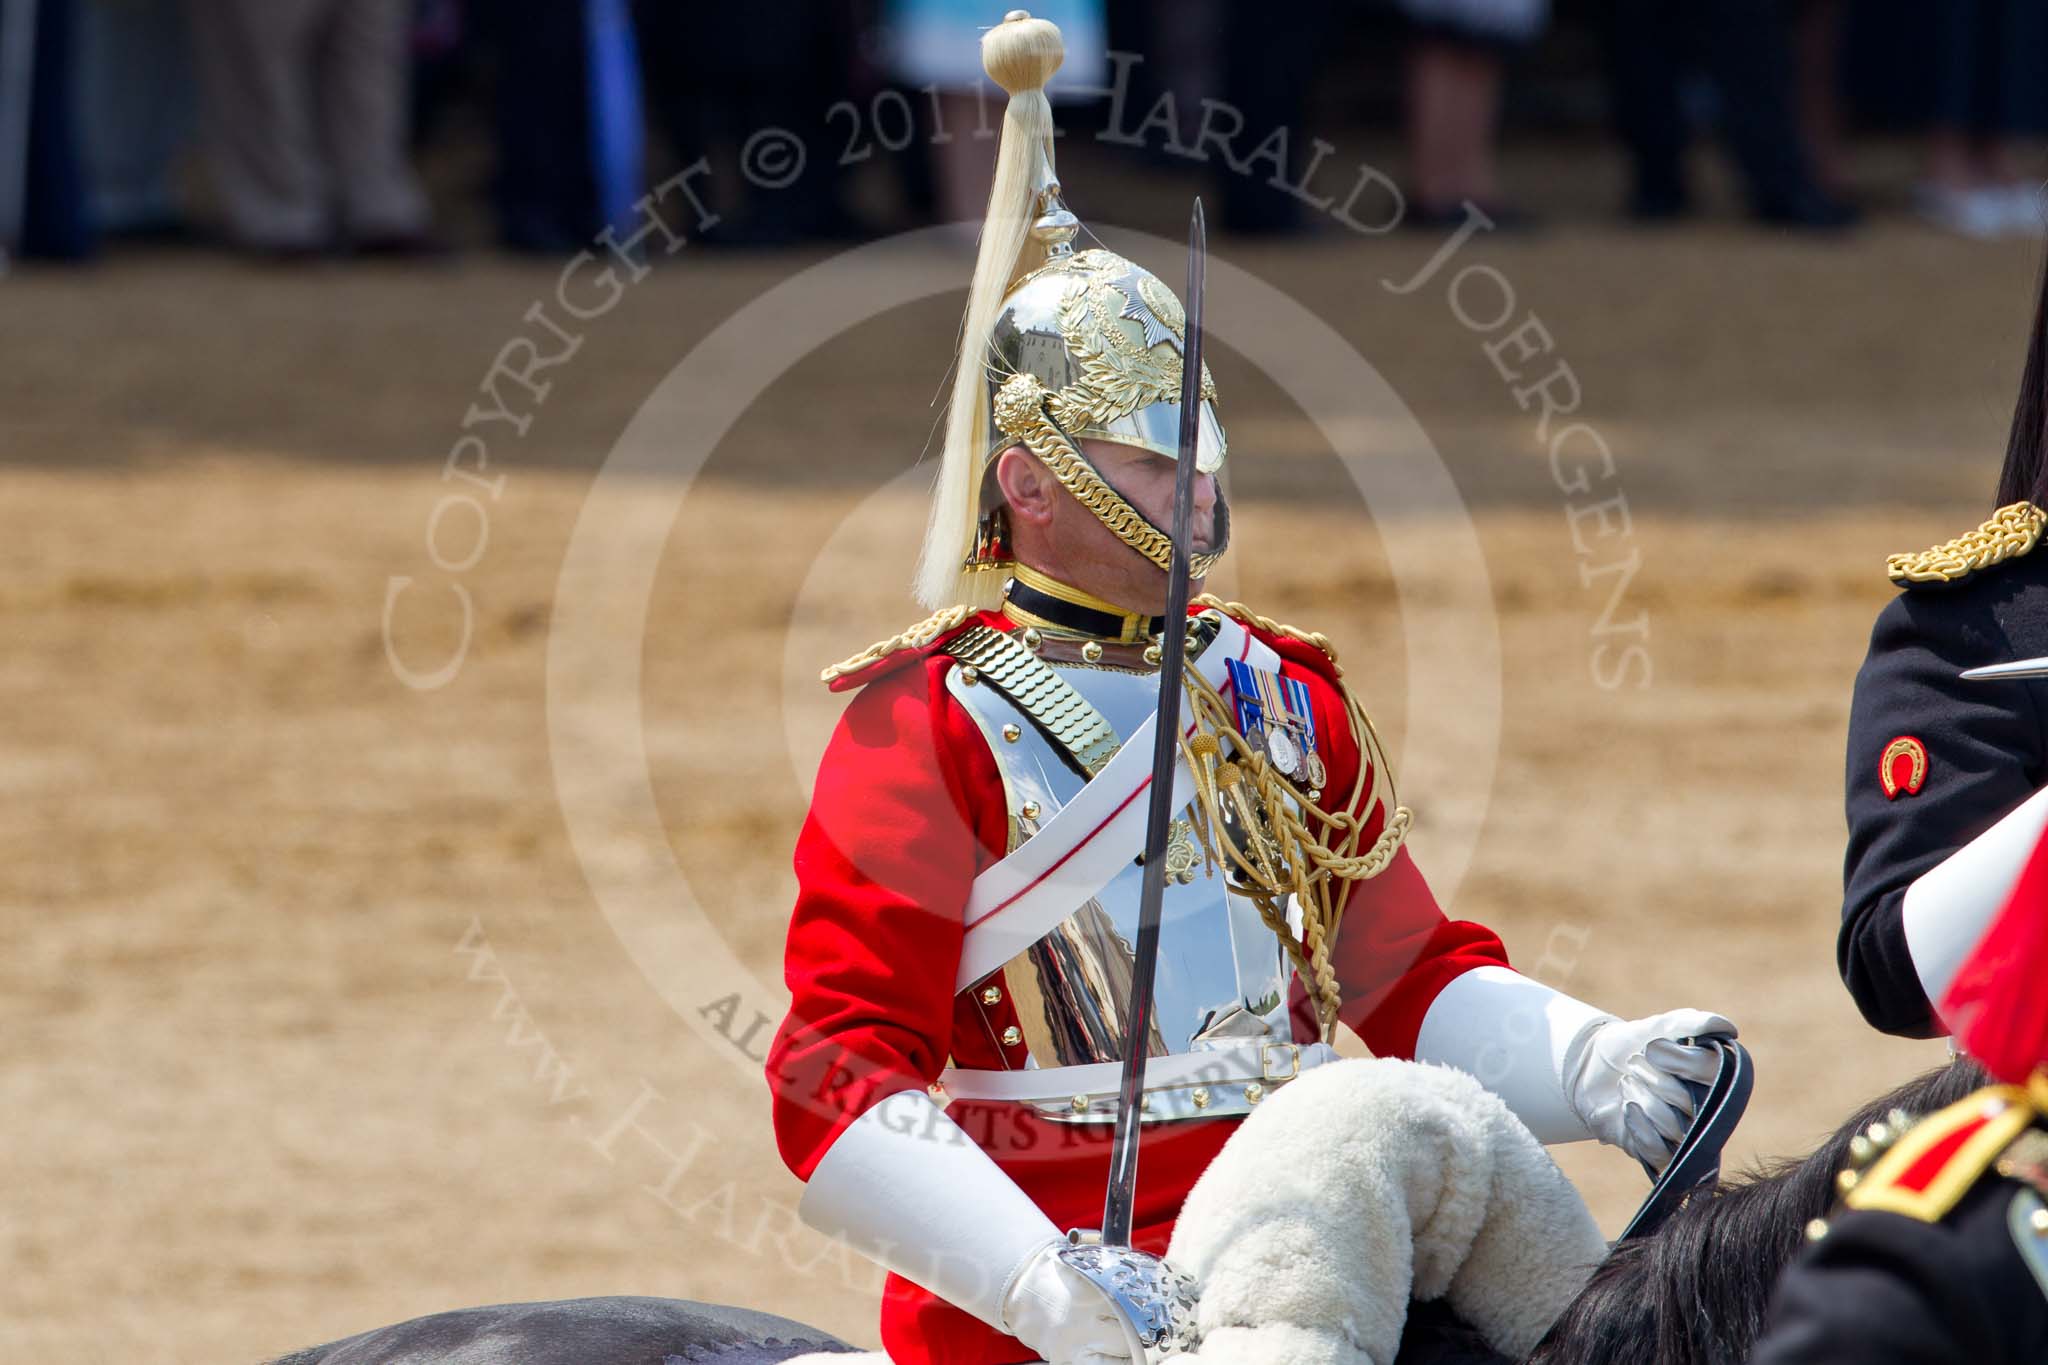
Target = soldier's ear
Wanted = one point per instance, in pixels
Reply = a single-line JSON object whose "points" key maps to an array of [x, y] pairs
{"points": [[1028, 486]]}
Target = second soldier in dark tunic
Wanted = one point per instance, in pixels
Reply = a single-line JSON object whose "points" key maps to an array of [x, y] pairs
{"points": [[1936, 760], [1940, 1252]]}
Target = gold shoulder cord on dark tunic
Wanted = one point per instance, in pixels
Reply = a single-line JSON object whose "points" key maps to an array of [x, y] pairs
{"points": [[2012, 531]]}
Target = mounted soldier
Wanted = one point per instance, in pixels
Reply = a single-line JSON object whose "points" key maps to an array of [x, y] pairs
{"points": [[1940, 1248], [1948, 739], [970, 875]]}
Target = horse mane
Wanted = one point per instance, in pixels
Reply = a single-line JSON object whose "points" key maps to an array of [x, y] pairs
{"points": [[1695, 1292]]}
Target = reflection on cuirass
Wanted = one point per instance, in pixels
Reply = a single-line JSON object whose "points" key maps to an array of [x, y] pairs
{"points": [[1072, 989], [1222, 976]]}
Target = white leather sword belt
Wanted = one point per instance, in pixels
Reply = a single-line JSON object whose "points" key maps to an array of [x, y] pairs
{"points": [[1228, 1079], [1046, 962]]}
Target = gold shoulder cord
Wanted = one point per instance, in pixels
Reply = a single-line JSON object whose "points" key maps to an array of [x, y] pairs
{"points": [[917, 637], [1273, 839], [1004, 663], [2012, 531]]}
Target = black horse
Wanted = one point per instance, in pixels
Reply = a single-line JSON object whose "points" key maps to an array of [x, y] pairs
{"points": [[607, 1331], [1693, 1292]]}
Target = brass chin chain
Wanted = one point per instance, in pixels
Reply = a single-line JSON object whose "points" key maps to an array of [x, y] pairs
{"points": [[1273, 841], [1020, 415]]}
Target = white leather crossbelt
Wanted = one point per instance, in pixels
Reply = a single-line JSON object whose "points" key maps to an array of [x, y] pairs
{"points": [[1016, 900]]}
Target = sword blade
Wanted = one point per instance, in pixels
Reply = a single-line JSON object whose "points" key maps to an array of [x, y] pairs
{"points": [[2018, 668], [1123, 1160]]}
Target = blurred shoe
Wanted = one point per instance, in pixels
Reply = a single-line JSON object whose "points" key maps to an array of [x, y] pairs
{"points": [[1423, 217], [286, 253], [1982, 212], [165, 229], [422, 245], [2026, 213], [1659, 205], [1809, 210], [1659, 193]]}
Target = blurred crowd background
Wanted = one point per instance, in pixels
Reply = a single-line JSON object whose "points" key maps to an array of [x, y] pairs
{"points": [[296, 129]]}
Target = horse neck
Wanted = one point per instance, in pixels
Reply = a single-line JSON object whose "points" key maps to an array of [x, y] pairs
{"points": [[1695, 1291]]}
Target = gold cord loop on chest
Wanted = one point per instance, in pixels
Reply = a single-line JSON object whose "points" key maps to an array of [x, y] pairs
{"points": [[1274, 840]]}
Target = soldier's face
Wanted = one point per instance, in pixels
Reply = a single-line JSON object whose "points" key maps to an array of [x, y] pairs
{"points": [[1057, 535], [1146, 481]]}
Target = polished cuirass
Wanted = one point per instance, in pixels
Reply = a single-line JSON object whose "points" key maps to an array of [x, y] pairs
{"points": [[1221, 991]]}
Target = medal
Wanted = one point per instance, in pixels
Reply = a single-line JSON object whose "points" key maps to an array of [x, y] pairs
{"points": [[1285, 733], [1281, 748], [1301, 719], [1246, 693], [1255, 735], [1275, 716]]}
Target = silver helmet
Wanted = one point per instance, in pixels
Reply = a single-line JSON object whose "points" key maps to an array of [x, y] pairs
{"points": [[1077, 345]]}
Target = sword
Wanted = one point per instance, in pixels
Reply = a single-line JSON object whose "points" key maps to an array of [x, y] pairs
{"points": [[2018, 668], [1123, 1160]]}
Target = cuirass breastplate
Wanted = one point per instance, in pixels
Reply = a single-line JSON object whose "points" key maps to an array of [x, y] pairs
{"points": [[1223, 976]]}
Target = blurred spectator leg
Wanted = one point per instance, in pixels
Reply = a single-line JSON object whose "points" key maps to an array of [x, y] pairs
{"points": [[791, 77], [2012, 65], [547, 188], [618, 121], [363, 85], [966, 164], [1817, 39], [1747, 54], [1961, 190], [1269, 58], [55, 222], [254, 61], [136, 104], [1645, 73], [1453, 105]]}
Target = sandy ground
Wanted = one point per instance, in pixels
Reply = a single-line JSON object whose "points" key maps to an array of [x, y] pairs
{"points": [[326, 1001]]}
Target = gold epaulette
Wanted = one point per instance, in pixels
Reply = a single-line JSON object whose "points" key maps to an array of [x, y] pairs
{"points": [[1243, 614], [919, 636], [1000, 660], [2012, 531], [1928, 1168]]}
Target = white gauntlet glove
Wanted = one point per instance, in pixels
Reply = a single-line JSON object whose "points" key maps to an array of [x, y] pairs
{"points": [[1570, 1071], [1061, 1314], [906, 1187], [1625, 1079]]}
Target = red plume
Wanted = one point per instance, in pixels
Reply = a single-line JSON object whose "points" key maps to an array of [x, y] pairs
{"points": [[1998, 1003]]}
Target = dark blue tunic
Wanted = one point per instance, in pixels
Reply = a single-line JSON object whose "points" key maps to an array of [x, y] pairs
{"points": [[1985, 746]]}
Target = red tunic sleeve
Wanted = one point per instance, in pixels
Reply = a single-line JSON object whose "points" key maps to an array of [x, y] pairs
{"points": [[1395, 950], [907, 804]]}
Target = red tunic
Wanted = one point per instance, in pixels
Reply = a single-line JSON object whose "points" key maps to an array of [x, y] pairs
{"points": [[907, 810]]}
